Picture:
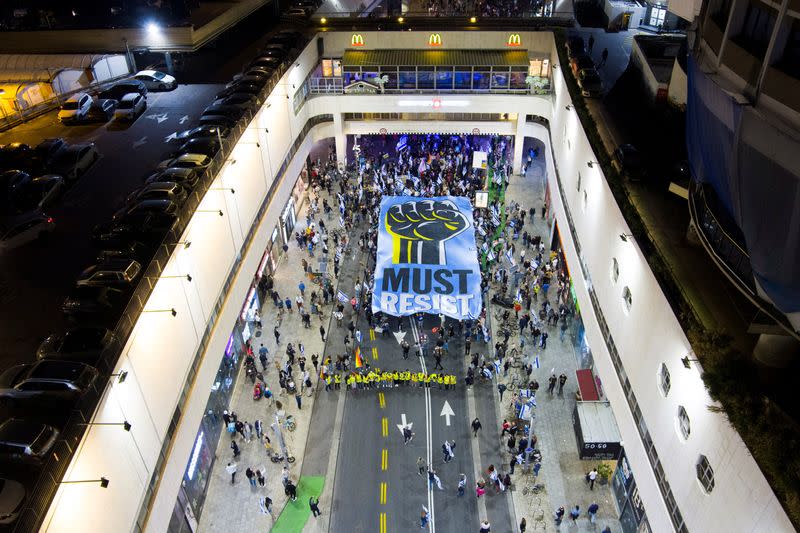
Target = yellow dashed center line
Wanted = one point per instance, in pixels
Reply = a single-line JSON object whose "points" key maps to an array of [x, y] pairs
{"points": [[385, 427], [381, 400], [383, 523], [384, 459], [383, 493], [374, 353], [372, 334]]}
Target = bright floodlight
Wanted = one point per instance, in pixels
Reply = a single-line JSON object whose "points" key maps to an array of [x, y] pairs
{"points": [[152, 28]]}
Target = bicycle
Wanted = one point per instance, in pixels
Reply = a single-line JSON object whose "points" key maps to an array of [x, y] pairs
{"points": [[533, 488]]}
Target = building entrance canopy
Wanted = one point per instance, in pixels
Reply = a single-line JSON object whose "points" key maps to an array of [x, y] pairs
{"points": [[436, 58]]}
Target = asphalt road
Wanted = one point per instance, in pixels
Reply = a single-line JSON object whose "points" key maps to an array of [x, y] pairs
{"points": [[360, 471], [35, 278]]}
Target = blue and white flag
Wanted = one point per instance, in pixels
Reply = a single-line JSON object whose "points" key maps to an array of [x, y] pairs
{"points": [[427, 259]]}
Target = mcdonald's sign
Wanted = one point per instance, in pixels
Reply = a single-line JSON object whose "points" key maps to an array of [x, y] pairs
{"points": [[514, 39], [435, 39], [357, 40]]}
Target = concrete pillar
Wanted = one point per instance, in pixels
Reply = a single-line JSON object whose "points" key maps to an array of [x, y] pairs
{"points": [[168, 61], [341, 138], [519, 140], [776, 351]]}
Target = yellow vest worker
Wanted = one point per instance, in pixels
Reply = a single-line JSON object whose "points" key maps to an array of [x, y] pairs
{"points": [[439, 380], [421, 377], [414, 378], [337, 379]]}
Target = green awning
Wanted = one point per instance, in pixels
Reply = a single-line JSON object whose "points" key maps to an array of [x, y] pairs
{"points": [[459, 58]]}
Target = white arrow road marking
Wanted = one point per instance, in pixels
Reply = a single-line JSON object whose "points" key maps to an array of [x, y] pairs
{"points": [[183, 119], [140, 142], [404, 424], [170, 137], [160, 118], [399, 336], [447, 412]]}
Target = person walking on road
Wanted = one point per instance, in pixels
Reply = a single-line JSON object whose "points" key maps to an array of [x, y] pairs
{"points": [[603, 58], [592, 511], [302, 287], [291, 490], [486, 527], [313, 504], [299, 399], [262, 356], [562, 379], [559, 515], [265, 505], [575, 513], [501, 388], [523, 525], [552, 384], [322, 333], [591, 477], [231, 469], [407, 435], [423, 519], [447, 451], [422, 466], [251, 476], [476, 426], [462, 484], [277, 335]]}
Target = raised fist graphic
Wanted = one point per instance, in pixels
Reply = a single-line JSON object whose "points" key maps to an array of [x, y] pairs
{"points": [[420, 228]]}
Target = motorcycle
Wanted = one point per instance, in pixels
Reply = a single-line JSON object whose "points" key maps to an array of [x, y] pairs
{"points": [[276, 457], [503, 301]]}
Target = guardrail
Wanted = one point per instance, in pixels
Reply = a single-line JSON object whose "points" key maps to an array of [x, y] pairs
{"points": [[54, 469]]}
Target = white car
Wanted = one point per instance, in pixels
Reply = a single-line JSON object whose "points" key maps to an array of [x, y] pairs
{"points": [[74, 160], [76, 108], [130, 107], [197, 161], [156, 81], [23, 229]]}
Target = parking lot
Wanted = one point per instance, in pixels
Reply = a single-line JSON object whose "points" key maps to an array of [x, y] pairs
{"points": [[35, 278]]}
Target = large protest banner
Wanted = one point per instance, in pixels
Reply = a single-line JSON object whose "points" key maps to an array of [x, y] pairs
{"points": [[427, 260]]}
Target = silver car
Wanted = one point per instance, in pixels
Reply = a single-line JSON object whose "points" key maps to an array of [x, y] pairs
{"points": [[74, 160], [22, 229], [130, 107], [47, 380]]}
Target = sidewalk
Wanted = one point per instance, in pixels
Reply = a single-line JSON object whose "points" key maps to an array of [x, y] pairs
{"points": [[562, 472], [236, 507]]}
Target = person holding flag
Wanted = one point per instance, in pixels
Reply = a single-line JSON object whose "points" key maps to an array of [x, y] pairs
{"points": [[359, 360]]}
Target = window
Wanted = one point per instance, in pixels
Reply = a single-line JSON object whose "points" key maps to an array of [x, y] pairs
{"points": [[790, 62], [627, 299], [721, 13], [585, 200], [705, 474], [684, 426], [757, 28], [657, 15], [614, 269], [664, 380], [579, 181]]}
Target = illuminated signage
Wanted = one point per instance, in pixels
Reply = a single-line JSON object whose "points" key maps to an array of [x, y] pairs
{"points": [[514, 39], [357, 40], [435, 39], [198, 445]]}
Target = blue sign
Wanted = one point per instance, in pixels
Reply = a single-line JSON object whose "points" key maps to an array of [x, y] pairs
{"points": [[427, 259]]}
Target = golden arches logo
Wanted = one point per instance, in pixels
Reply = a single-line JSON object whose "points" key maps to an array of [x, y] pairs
{"points": [[357, 40], [435, 39], [514, 39]]}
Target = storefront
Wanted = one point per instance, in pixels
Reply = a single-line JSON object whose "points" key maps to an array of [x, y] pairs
{"points": [[293, 206], [632, 516], [191, 496]]}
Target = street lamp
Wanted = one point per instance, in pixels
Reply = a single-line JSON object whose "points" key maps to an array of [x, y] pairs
{"points": [[187, 277], [125, 425], [103, 482], [687, 362], [592, 163], [172, 311], [152, 28], [121, 377], [624, 236], [217, 211]]}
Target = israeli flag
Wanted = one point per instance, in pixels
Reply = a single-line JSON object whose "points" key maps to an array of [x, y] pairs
{"points": [[536, 363]]}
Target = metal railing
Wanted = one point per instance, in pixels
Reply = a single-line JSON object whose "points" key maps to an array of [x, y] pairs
{"points": [[53, 470], [336, 86]]}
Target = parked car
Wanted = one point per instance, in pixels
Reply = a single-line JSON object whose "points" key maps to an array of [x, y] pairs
{"points": [[38, 193], [121, 88], [575, 46], [46, 150], [297, 12], [186, 177], [159, 207], [12, 497], [130, 107], [580, 62], [155, 80], [47, 380], [24, 441], [630, 161], [268, 62], [11, 179], [201, 132], [16, 156], [230, 111], [217, 120], [277, 53], [590, 83], [18, 230], [196, 161], [240, 79], [75, 108], [239, 100], [255, 72], [74, 160], [277, 47], [126, 250], [102, 110], [159, 190], [119, 273], [92, 301], [242, 88], [148, 228], [78, 344], [202, 145]]}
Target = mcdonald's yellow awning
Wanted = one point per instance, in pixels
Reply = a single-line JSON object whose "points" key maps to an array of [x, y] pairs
{"points": [[459, 58]]}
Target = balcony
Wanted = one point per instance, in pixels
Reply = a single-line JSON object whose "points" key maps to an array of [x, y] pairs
{"points": [[721, 239], [782, 87], [742, 61], [712, 34]]}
